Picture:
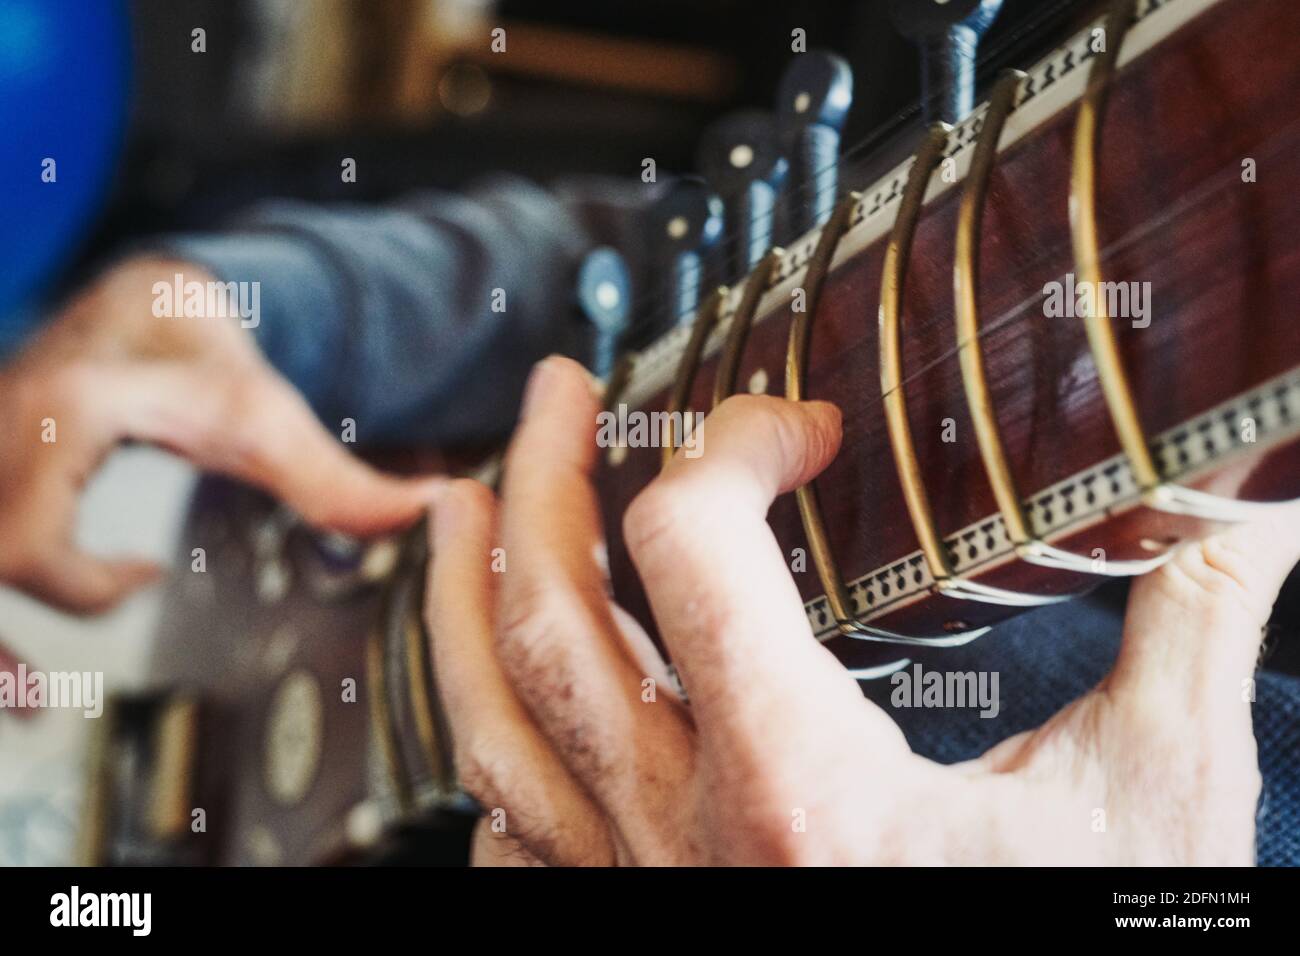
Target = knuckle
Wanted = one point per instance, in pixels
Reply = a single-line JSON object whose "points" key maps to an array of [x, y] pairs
{"points": [[481, 775], [1233, 567], [527, 623], [1215, 571], [654, 519], [534, 637], [536, 647]]}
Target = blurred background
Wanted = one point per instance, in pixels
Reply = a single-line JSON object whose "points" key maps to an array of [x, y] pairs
{"points": [[177, 140]]}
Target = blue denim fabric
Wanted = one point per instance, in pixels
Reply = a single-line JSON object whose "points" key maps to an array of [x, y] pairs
{"points": [[1049, 657], [385, 314]]}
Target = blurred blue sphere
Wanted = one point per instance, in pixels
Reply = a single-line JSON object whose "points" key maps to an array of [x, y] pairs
{"points": [[64, 77]]}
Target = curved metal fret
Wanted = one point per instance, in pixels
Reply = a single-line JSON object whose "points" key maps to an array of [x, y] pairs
{"points": [[810, 513], [742, 321], [1156, 492], [893, 279], [706, 317], [979, 399], [619, 377]]}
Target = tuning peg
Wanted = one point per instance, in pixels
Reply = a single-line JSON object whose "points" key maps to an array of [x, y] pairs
{"points": [[948, 33], [812, 104], [684, 224], [605, 298], [740, 157]]}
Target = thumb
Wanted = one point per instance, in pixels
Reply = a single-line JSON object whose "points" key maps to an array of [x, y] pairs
{"points": [[256, 427], [1197, 622]]}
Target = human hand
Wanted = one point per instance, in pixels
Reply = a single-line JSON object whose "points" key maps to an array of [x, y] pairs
{"points": [[107, 370], [779, 759]]}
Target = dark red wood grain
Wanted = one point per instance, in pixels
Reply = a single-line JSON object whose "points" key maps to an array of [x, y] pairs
{"points": [[1222, 259]]}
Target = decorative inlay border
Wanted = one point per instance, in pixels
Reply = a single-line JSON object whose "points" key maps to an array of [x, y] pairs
{"points": [[1185, 452]]}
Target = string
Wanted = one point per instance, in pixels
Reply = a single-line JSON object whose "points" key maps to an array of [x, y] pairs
{"points": [[1212, 186]]}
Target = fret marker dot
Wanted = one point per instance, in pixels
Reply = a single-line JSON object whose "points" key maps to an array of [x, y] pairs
{"points": [[742, 155], [802, 102], [677, 227], [758, 382]]}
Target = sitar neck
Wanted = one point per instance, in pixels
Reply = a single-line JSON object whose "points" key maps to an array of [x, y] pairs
{"points": [[1193, 256]]}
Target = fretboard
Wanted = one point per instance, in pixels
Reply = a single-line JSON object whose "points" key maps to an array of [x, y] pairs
{"points": [[1215, 371]]}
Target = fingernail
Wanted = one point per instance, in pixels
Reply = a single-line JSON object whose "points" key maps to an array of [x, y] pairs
{"points": [[541, 379]]}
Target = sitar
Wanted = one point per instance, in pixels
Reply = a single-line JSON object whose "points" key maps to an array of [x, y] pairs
{"points": [[1061, 334]]}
